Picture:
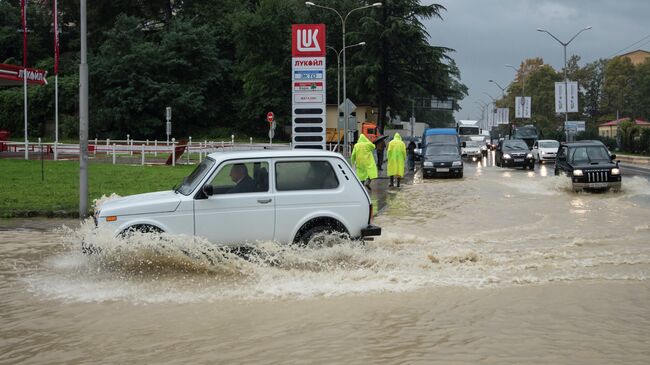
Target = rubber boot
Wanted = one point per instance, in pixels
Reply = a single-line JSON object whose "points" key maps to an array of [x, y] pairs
{"points": [[398, 180], [391, 182]]}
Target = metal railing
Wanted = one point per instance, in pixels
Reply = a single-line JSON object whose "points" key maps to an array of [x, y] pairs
{"points": [[135, 151]]}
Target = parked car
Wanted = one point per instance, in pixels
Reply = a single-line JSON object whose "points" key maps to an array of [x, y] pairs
{"points": [[545, 150], [236, 197], [589, 165], [513, 153], [442, 159]]}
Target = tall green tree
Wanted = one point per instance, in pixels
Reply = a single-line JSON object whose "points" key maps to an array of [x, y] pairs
{"points": [[618, 86]]}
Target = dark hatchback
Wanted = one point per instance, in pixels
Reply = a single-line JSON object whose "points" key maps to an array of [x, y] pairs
{"points": [[514, 153], [589, 165], [442, 160]]}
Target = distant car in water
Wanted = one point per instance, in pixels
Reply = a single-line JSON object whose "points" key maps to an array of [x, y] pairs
{"points": [[472, 149], [442, 160], [544, 150], [240, 197], [589, 165], [513, 153]]}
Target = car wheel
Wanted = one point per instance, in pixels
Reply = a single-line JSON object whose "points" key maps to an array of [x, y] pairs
{"points": [[460, 176], [322, 236], [531, 167], [557, 172], [140, 228]]}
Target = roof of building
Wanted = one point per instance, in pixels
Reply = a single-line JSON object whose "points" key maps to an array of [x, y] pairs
{"points": [[633, 52], [620, 120]]}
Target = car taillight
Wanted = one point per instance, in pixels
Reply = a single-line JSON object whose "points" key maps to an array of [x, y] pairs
{"points": [[370, 217]]}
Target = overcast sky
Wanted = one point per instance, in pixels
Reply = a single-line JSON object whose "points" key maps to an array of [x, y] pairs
{"points": [[487, 34]]}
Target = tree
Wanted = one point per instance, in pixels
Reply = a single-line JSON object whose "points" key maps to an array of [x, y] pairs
{"points": [[135, 75], [398, 63], [641, 92], [618, 86]]}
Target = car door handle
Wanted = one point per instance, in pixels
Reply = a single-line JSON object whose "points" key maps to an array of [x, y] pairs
{"points": [[263, 201]]}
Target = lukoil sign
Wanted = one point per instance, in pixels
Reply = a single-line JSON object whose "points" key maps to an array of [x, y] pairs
{"points": [[308, 40]]}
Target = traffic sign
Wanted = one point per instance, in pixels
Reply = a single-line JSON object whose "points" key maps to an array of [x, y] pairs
{"points": [[269, 117]]}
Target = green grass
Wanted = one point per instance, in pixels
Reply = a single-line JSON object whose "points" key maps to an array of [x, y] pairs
{"points": [[23, 193]]}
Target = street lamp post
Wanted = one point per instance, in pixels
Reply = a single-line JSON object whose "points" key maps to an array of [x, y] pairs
{"points": [[343, 20], [564, 44], [523, 93], [503, 91], [338, 80], [491, 112]]}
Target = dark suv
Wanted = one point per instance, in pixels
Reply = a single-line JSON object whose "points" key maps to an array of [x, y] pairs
{"points": [[514, 153], [589, 165]]}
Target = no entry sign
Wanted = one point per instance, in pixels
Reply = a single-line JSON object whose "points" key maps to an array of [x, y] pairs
{"points": [[269, 117]]}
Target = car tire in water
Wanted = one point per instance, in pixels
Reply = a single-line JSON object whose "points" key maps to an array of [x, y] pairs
{"points": [[321, 236]]}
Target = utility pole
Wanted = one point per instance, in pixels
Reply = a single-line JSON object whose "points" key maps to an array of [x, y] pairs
{"points": [[83, 119]]}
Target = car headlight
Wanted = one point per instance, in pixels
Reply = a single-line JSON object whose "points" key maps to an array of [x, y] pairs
{"points": [[616, 171], [506, 156], [530, 155], [483, 148], [457, 163], [578, 172], [428, 164]]}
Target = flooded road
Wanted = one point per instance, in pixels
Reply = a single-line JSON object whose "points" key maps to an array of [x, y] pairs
{"points": [[503, 266]]}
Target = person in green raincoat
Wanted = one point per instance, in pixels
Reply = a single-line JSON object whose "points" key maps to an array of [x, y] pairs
{"points": [[396, 158], [364, 160]]}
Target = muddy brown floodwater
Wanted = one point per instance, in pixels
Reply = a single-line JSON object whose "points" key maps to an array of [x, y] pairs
{"points": [[501, 267]]}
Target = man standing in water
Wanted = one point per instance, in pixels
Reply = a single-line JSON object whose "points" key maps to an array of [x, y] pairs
{"points": [[364, 161], [396, 158]]}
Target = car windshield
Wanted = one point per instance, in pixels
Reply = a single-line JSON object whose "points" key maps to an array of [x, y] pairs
{"points": [[515, 145], [525, 133], [442, 138], [442, 150], [589, 154], [190, 182], [549, 144]]}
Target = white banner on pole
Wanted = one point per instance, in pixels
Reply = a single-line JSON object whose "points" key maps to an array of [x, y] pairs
{"points": [[560, 94], [522, 107], [503, 116], [562, 97], [572, 96]]}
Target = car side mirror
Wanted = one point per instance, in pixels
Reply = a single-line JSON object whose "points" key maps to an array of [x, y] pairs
{"points": [[208, 189], [612, 157], [463, 144]]}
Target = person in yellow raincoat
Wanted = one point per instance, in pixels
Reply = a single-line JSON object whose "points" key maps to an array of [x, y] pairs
{"points": [[364, 160], [396, 158]]}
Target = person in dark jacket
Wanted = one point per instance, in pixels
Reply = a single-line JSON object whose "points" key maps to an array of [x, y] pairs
{"points": [[411, 152], [239, 175], [380, 147]]}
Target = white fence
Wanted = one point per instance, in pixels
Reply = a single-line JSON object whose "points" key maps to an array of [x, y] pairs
{"points": [[150, 151]]}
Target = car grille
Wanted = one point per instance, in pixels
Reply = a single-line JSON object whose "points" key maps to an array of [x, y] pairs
{"points": [[518, 155], [441, 164], [597, 176]]}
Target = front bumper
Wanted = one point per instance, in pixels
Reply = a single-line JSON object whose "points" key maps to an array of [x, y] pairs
{"points": [[455, 170], [616, 185], [371, 230], [518, 162]]}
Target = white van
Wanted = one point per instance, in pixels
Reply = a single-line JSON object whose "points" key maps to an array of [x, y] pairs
{"points": [[240, 197]]}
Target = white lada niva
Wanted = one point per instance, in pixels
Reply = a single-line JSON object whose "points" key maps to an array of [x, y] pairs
{"points": [[237, 197]]}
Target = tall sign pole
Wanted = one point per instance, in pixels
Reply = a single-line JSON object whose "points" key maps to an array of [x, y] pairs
{"points": [[308, 109], [23, 8], [168, 125], [83, 119], [56, 78]]}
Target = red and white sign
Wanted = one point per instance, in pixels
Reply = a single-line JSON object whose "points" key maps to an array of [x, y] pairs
{"points": [[13, 75], [308, 40], [308, 86], [269, 117]]}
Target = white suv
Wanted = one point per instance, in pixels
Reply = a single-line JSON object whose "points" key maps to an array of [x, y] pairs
{"points": [[239, 197]]}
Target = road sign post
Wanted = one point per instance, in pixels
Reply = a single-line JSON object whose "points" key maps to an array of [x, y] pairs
{"points": [[168, 115], [271, 119]]}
